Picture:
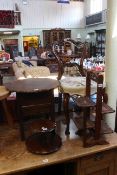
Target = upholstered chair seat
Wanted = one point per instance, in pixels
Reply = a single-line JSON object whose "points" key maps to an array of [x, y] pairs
{"points": [[75, 85]]}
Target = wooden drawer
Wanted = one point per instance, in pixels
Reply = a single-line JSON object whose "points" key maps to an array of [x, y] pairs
{"points": [[97, 158]]}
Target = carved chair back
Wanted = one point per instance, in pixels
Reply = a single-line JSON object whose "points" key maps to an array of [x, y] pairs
{"points": [[66, 68]]}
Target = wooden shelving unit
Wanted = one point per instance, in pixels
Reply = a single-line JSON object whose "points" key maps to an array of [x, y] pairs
{"points": [[55, 35], [100, 42], [90, 122]]}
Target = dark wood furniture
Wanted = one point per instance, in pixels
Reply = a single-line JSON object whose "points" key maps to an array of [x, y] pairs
{"points": [[11, 46], [40, 50], [93, 112], [55, 35], [6, 69], [67, 58], [43, 138], [82, 53], [100, 42], [1, 79], [33, 96]]}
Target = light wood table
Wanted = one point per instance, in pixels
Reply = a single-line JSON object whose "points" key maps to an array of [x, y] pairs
{"points": [[15, 158]]}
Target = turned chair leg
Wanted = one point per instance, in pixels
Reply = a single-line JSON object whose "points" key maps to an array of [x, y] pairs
{"points": [[59, 102], [1, 79], [66, 111]]}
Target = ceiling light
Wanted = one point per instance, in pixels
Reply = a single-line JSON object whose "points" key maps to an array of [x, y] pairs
{"points": [[7, 32], [24, 2], [78, 36], [88, 37], [64, 1]]}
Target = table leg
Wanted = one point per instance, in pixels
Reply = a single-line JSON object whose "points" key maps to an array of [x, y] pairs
{"points": [[1, 79], [7, 113], [52, 110], [20, 118], [66, 98], [59, 102]]}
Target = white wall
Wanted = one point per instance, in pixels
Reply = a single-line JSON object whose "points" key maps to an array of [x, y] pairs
{"points": [[47, 14], [6, 4], [50, 14], [87, 6]]}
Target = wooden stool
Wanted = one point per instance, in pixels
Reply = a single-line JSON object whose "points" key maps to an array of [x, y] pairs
{"points": [[4, 93]]}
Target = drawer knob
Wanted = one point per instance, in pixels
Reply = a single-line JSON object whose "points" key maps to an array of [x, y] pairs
{"points": [[98, 156]]}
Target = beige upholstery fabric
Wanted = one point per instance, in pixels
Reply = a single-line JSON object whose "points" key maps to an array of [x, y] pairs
{"points": [[37, 71], [19, 74], [34, 63], [75, 85], [21, 64], [34, 72], [19, 70]]}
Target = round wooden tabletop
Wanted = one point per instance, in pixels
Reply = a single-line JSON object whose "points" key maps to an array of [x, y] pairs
{"points": [[32, 85]]}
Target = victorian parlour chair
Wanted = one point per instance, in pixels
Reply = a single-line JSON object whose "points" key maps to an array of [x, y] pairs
{"points": [[72, 79]]}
